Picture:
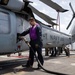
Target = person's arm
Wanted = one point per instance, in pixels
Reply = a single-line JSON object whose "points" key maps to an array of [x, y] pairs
{"points": [[39, 36], [22, 34], [39, 33], [25, 32]]}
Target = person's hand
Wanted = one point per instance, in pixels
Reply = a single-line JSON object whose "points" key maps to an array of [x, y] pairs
{"points": [[36, 45], [20, 37]]}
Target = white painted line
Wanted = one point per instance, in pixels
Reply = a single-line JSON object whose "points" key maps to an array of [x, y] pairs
{"points": [[72, 64], [56, 62]]}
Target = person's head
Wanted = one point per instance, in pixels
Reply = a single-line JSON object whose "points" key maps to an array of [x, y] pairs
{"points": [[32, 21]]}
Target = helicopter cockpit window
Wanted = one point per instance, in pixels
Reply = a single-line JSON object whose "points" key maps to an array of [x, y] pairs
{"points": [[4, 23]]}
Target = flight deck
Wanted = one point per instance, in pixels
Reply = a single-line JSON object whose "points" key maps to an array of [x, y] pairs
{"points": [[61, 64]]}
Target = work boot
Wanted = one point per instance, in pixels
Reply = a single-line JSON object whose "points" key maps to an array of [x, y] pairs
{"points": [[27, 66]]}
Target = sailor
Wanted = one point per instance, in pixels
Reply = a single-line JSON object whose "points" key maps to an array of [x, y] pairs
{"points": [[35, 41]]}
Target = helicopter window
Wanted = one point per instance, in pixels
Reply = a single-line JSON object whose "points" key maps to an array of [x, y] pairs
{"points": [[4, 23]]}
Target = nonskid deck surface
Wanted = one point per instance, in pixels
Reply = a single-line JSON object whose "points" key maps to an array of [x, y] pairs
{"points": [[61, 64]]}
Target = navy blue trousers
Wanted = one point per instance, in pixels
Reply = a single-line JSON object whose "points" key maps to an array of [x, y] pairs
{"points": [[31, 53]]}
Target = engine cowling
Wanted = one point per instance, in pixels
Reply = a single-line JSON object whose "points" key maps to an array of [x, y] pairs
{"points": [[15, 5]]}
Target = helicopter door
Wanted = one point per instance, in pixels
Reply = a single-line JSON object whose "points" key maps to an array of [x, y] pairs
{"points": [[7, 32]]}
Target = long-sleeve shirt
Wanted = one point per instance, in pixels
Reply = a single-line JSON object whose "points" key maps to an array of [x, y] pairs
{"points": [[35, 34]]}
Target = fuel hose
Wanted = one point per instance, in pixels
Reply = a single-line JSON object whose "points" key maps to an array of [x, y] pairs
{"points": [[47, 71]]}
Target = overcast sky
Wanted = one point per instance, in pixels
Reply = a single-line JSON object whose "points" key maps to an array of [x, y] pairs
{"points": [[64, 17]]}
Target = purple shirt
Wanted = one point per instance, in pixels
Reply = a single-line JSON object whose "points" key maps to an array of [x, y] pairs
{"points": [[33, 35]]}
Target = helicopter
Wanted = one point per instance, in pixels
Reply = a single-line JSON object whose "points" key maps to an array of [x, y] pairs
{"points": [[14, 15]]}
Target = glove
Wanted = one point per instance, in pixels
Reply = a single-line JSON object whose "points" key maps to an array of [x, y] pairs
{"points": [[18, 39]]}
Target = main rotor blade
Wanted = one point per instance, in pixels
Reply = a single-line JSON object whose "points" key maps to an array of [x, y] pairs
{"points": [[70, 22], [43, 16], [71, 8], [40, 13], [54, 5]]}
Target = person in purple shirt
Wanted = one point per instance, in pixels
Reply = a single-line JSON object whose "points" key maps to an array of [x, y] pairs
{"points": [[35, 33]]}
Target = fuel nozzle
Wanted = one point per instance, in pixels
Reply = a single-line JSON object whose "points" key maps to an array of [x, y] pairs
{"points": [[25, 40]]}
